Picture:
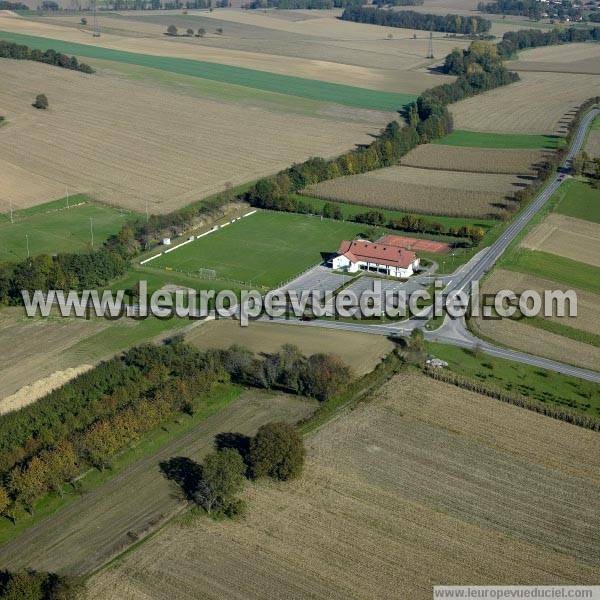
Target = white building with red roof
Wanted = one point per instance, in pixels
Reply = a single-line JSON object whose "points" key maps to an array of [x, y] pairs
{"points": [[377, 257]]}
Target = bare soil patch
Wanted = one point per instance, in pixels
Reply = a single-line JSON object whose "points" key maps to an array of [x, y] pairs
{"points": [[474, 160], [539, 103], [360, 351], [576, 239], [130, 144], [451, 486], [423, 190], [38, 389]]}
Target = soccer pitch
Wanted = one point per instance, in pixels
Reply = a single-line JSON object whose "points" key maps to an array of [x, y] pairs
{"points": [[264, 249], [53, 228]]}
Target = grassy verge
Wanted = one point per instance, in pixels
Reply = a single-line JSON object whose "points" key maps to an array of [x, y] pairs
{"points": [[532, 382], [251, 78], [515, 141], [578, 199], [176, 427]]}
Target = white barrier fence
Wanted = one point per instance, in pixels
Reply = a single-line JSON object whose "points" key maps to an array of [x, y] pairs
{"points": [[197, 237]]}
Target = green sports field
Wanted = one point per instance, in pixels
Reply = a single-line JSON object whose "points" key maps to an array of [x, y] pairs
{"points": [[264, 249], [250, 78], [579, 200], [515, 141], [54, 228]]}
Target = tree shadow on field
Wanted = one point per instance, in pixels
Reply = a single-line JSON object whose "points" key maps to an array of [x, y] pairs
{"points": [[185, 472]]}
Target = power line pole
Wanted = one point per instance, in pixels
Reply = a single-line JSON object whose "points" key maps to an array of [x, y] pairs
{"points": [[67, 190], [430, 48], [11, 212], [147, 212], [92, 230], [27, 241]]}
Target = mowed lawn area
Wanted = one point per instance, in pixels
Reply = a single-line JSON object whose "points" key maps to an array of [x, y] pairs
{"points": [[516, 141], [263, 80], [53, 228], [579, 200], [264, 249]]}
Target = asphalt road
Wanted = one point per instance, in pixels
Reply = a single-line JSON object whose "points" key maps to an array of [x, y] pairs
{"points": [[454, 331]]}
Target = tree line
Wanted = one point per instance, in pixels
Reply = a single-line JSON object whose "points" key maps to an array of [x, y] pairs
{"points": [[303, 4], [12, 5], [398, 2], [513, 41], [411, 19], [35, 585], [86, 422], [50, 56]]}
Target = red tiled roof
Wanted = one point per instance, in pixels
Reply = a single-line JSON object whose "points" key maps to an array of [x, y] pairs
{"points": [[374, 252]]}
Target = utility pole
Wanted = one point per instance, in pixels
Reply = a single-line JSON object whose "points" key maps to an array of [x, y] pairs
{"points": [[27, 241], [67, 190], [430, 49], [147, 212], [11, 212], [92, 230]]}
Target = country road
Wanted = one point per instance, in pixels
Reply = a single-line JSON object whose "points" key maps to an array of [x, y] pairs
{"points": [[455, 331]]}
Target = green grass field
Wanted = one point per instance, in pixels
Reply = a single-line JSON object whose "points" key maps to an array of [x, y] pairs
{"points": [[579, 200], [264, 249], [556, 268], [533, 382], [54, 228], [262, 80], [515, 141]]}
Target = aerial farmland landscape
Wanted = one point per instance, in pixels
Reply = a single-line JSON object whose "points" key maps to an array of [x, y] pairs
{"points": [[299, 299]]}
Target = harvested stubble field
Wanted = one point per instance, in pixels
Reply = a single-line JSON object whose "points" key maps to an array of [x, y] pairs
{"points": [[162, 49], [424, 484], [515, 108], [566, 58], [592, 146], [588, 304], [534, 340], [425, 191], [22, 361], [395, 61], [360, 351], [572, 238], [150, 145], [475, 160]]}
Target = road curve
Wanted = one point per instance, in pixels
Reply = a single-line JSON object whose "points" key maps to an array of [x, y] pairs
{"points": [[455, 331]]}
